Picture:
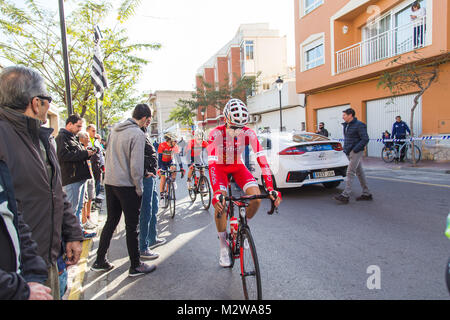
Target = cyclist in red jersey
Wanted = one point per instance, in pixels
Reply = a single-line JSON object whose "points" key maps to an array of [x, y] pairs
{"points": [[226, 145], [166, 151], [194, 152]]}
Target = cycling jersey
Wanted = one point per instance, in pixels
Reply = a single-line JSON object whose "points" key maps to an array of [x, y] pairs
{"points": [[195, 150], [225, 158], [167, 151]]}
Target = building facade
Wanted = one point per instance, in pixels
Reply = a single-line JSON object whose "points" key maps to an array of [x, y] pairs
{"points": [[163, 102], [274, 109], [343, 48], [255, 50]]}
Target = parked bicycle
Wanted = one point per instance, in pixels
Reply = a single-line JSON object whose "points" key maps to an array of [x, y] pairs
{"points": [[201, 186], [169, 189], [242, 245], [395, 151]]}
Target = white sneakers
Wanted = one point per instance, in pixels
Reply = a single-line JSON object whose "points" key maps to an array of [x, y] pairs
{"points": [[224, 260]]}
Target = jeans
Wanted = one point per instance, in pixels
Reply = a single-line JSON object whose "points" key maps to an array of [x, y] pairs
{"points": [[74, 192], [147, 219], [120, 199], [355, 169]]}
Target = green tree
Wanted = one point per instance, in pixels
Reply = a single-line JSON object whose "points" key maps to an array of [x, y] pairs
{"points": [[416, 74], [33, 39], [214, 95]]}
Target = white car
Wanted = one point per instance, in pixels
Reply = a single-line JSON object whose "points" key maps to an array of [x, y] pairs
{"points": [[301, 158]]}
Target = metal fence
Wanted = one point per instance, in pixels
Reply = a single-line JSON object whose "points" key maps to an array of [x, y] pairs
{"points": [[385, 45]]}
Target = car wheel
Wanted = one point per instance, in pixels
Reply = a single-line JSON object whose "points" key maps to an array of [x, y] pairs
{"points": [[332, 184]]}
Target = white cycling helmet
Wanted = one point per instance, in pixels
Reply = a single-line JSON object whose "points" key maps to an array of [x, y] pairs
{"points": [[236, 113]]}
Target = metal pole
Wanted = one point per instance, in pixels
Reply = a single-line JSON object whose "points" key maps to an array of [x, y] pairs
{"points": [[96, 115], [65, 57], [281, 116]]}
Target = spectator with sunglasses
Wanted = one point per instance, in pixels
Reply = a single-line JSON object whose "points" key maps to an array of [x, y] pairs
{"points": [[27, 148]]}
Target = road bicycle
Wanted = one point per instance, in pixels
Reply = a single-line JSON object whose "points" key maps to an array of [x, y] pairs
{"points": [[201, 186], [394, 152], [170, 197], [242, 245]]}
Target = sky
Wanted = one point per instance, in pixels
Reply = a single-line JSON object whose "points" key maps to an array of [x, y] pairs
{"points": [[191, 31]]}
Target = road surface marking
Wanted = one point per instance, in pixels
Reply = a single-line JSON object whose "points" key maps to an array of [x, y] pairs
{"points": [[411, 181]]}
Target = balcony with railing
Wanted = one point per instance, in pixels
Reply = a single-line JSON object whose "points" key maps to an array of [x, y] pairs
{"points": [[391, 43]]}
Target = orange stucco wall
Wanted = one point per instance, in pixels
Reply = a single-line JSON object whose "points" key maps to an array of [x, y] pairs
{"points": [[318, 21], [357, 86], [435, 102]]}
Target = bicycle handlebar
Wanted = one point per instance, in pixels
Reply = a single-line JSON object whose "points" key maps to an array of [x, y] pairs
{"points": [[254, 197]]}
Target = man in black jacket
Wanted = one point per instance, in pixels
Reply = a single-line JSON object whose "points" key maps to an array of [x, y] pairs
{"points": [[355, 140], [72, 157], [28, 150], [147, 220], [322, 131], [22, 271]]}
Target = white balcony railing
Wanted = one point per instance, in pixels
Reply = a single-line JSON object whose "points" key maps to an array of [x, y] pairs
{"points": [[385, 45]]}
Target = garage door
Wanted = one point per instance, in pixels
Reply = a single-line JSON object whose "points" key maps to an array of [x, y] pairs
{"points": [[381, 116], [332, 118]]}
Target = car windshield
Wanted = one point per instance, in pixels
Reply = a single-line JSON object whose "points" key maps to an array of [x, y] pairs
{"points": [[309, 137]]}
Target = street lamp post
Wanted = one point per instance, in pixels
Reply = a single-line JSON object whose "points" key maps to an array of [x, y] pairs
{"points": [[279, 83], [203, 117]]}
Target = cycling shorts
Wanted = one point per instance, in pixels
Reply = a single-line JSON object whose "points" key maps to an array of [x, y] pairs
{"points": [[218, 174], [166, 166]]}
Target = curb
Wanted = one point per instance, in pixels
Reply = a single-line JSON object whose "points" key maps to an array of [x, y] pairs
{"points": [[77, 284]]}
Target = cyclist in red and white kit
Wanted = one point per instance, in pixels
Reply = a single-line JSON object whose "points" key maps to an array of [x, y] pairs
{"points": [[226, 145]]}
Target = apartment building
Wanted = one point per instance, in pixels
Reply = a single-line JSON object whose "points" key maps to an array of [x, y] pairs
{"points": [[163, 102], [344, 46], [254, 50]]}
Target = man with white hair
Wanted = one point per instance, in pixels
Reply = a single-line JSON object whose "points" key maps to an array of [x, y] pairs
{"points": [[28, 150]]}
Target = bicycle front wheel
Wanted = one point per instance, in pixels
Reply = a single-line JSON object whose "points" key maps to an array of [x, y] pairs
{"points": [[412, 153], [205, 192], [172, 200], [192, 193], [250, 273], [387, 154]]}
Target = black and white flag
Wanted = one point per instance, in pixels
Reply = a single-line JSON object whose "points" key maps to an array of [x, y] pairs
{"points": [[98, 74]]}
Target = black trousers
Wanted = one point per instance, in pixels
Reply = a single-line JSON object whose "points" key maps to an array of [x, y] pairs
{"points": [[118, 200]]}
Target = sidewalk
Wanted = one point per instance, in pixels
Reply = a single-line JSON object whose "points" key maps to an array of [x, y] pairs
{"points": [[422, 166], [76, 274]]}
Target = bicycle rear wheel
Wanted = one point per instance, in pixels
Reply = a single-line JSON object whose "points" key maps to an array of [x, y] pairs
{"points": [[387, 154], [172, 200], [250, 273], [205, 192]]}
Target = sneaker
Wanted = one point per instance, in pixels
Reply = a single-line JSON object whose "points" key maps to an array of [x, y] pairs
{"points": [[89, 225], [161, 200], [89, 235], [141, 270], [101, 197], [159, 242], [102, 266], [224, 260], [365, 197], [149, 255], [341, 198]]}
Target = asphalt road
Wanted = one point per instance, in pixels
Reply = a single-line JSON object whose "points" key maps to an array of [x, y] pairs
{"points": [[313, 249]]}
